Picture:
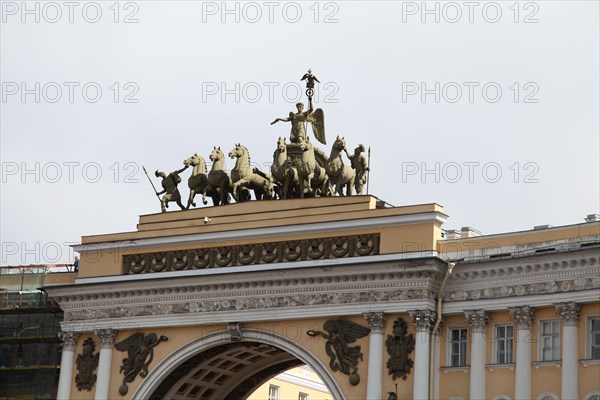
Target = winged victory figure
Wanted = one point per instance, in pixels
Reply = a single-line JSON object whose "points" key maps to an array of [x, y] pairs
{"points": [[140, 352], [343, 358]]}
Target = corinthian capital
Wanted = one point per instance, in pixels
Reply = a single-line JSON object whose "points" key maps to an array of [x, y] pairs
{"points": [[523, 316], [69, 340], [107, 337], [376, 321], [478, 319], [423, 319], [569, 312]]}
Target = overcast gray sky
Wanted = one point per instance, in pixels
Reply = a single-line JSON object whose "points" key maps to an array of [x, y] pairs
{"points": [[488, 108]]}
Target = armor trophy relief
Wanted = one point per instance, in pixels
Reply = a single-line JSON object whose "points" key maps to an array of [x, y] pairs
{"points": [[299, 169]]}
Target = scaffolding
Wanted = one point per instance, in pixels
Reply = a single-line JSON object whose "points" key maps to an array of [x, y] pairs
{"points": [[29, 325]]}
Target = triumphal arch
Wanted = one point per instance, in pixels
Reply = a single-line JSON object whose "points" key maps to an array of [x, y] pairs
{"points": [[295, 266]]}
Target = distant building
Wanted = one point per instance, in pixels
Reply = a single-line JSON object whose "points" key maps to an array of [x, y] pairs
{"points": [[300, 383], [30, 347]]}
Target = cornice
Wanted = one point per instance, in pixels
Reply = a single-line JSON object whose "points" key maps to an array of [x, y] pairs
{"points": [[562, 273], [384, 284], [278, 231], [541, 300]]}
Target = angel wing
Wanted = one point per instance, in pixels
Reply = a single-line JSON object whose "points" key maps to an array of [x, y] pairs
{"points": [[133, 340], [317, 122], [321, 157], [349, 330]]}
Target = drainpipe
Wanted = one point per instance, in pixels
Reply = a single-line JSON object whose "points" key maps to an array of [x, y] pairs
{"points": [[438, 321]]}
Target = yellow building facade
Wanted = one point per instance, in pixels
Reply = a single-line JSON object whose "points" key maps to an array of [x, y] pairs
{"points": [[300, 383], [230, 297]]}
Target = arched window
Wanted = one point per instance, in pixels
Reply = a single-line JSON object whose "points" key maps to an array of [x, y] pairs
{"points": [[501, 397], [593, 395], [547, 396]]}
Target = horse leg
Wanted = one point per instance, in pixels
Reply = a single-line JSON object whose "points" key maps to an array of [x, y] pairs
{"points": [[223, 192], [309, 179], [301, 186], [339, 185], [242, 183], [204, 201], [191, 199], [286, 187]]}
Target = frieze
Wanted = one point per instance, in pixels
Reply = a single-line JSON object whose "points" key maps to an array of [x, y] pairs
{"points": [[252, 288], [547, 287], [502, 271], [248, 303], [264, 253]]}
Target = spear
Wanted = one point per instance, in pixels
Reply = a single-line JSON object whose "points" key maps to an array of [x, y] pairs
{"points": [[152, 183], [368, 170]]}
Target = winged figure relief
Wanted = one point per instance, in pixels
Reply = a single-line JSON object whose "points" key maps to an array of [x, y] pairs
{"points": [[140, 352], [344, 358]]}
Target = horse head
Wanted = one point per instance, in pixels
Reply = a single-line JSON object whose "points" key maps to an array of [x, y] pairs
{"points": [[239, 151], [340, 143], [192, 160], [236, 152], [281, 145], [216, 154]]}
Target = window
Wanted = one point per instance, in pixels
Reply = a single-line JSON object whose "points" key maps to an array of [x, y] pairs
{"points": [[273, 392], [302, 396], [458, 347], [504, 344], [549, 343], [593, 395], [547, 396], [594, 337]]}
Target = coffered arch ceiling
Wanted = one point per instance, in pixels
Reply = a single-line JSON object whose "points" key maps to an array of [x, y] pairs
{"points": [[229, 371]]}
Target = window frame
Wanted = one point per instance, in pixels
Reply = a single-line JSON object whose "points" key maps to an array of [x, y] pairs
{"points": [[449, 351], [303, 396], [277, 390], [497, 340], [540, 347], [588, 336]]}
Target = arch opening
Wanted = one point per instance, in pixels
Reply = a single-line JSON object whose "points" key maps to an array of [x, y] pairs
{"points": [[214, 367]]}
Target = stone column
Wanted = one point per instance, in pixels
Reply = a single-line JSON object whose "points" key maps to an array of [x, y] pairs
{"points": [[107, 339], [424, 321], [65, 380], [375, 367], [478, 320], [523, 316], [569, 313]]}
